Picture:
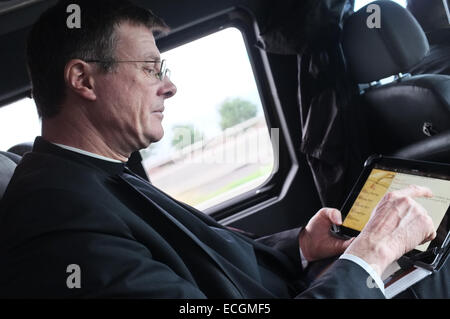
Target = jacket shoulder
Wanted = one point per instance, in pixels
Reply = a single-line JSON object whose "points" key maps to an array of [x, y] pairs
{"points": [[38, 171]]}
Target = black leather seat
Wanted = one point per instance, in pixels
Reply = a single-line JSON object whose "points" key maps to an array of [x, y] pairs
{"points": [[434, 149], [410, 109], [22, 148], [8, 163]]}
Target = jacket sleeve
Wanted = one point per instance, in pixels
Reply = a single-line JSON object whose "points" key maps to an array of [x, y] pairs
{"points": [[344, 279], [286, 242]]}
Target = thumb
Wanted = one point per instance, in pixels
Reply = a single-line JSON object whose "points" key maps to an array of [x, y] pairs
{"points": [[334, 216]]}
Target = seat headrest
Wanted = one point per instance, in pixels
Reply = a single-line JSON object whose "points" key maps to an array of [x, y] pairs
{"points": [[379, 52], [22, 148], [8, 163]]}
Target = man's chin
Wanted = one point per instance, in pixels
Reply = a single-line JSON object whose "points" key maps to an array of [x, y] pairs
{"points": [[154, 138], [145, 140]]}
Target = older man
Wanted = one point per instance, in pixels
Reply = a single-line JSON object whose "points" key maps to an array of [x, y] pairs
{"points": [[73, 206]]}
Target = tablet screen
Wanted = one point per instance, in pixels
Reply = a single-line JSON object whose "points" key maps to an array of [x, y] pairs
{"points": [[382, 180]]}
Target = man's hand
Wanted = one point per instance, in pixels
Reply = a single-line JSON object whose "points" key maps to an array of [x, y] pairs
{"points": [[316, 240], [397, 225]]}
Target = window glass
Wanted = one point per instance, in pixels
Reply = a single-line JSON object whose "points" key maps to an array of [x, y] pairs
{"points": [[216, 143]]}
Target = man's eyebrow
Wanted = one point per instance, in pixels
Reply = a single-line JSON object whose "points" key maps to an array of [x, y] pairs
{"points": [[152, 57]]}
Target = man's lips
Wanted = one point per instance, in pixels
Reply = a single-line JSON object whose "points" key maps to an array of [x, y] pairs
{"points": [[160, 110]]}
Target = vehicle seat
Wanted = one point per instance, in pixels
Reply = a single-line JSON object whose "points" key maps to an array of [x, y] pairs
{"points": [[8, 163], [22, 148], [434, 149], [410, 109]]}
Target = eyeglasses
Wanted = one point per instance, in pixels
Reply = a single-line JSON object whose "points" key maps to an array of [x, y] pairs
{"points": [[161, 75]]}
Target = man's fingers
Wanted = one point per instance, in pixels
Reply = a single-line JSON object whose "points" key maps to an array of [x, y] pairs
{"points": [[415, 191], [333, 215], [342, 245], [406, 205], [429, 238], [347, 243]]}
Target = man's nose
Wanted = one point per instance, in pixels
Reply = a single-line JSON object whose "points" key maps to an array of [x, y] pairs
{"points": [[168, 89]]}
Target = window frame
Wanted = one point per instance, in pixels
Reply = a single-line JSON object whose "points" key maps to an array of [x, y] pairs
{"points": [[285, 166]]}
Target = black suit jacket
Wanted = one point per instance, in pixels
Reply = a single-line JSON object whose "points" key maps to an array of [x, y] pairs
{"points": [[129, 239]]}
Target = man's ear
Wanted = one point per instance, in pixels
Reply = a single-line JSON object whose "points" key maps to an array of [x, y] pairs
{"points": [[78, 76]]}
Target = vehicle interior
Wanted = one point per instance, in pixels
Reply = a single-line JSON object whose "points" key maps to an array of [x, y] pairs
{"points": [[332, 90]]}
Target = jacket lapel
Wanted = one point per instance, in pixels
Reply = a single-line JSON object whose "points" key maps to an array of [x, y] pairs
{"points": [[168, 218]]}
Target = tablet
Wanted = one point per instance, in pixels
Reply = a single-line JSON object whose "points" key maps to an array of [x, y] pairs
{"points": [[385, 174]]}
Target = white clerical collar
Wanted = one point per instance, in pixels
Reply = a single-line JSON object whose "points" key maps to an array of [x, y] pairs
{"points": [[77, 150]]}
